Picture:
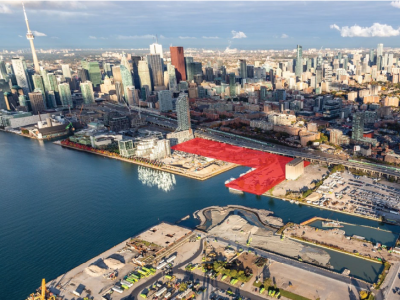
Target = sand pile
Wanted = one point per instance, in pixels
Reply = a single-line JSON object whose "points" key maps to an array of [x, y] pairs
{"points": [[113, 263], [95, 270]]}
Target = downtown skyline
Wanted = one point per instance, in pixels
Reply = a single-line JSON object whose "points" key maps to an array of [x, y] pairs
{"points": [[211, 25]]}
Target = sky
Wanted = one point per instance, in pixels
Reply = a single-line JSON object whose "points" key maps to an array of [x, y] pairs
{"points": [[201, 24]]}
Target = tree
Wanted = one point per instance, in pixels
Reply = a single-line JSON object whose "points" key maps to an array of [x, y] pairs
{"points": [[233, 273], [363, 295]]}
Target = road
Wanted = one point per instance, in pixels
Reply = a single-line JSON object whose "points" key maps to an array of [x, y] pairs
{"points": [[392, 282], [207, 282], [304, 266], [176, 269], [154, 117]]}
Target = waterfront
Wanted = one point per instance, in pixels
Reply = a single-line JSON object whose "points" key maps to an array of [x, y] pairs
{"points": [[60, 208]]}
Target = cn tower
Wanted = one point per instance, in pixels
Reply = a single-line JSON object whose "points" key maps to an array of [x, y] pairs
{"points": [[30, 37]]}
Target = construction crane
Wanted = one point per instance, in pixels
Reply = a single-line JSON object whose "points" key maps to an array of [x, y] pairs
{"points": [[80, 112], [70, 126], [43, 295]]}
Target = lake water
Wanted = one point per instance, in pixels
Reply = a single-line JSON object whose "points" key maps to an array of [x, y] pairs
{"points": [[60, 207]]}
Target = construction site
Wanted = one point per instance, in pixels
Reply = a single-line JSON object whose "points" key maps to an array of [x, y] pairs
{"points": [[120, 267], [268, 169], [258, 228], [336, 238], [235, 253]]}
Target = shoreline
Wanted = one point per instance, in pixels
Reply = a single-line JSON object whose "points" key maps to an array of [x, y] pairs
{"points": [[339, 251], [208, 177], [333, 210], [152, 166]]}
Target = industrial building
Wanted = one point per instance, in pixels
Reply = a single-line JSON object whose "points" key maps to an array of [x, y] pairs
{"points": [[294, 169]]}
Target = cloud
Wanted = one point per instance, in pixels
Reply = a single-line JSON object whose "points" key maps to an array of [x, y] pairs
{"points": [[284, 36], [4, 9], [20, 36], [74, 4], [162, 37], [376, 30], [238, 34], [55, 37], [334, 26], [37, 33], [395, 4], [133, 37], [211, 37], [187, 37], [92, 37]]}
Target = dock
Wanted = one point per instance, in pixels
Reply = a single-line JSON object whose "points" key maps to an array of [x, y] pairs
{"points": [[168, 169]]}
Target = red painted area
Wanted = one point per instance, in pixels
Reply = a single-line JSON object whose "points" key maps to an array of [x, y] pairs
{"points": [[368, 135], [270, 168]]}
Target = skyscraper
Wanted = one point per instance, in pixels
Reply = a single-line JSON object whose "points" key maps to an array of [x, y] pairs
{"points": [[31, 37], [390, 60], [3, 70], [135, 63], [156, 48], [21, 74], [358, 126], [93, 70], [318, 76], [130, 95], [144, 74], [299, 61], [53, 86], [127, 80], [165, 100], [83, 74], [232, 84], [65, 95], [183, 112], [379, 50], [172, 77], [4, 89], [125, 62], [66, 71], [242, 68], [198, 68], [87, 92], [189, 72], [250, 71], [155, 68], [108, 70], [38, 82], [177, 59], [37, 102], [209, 74], [371, 57]]}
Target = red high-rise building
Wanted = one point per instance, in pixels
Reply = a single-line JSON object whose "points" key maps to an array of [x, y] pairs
{"points": [[178, 60]]}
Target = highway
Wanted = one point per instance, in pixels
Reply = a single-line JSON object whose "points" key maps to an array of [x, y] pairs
{"points": [[153, 116]]}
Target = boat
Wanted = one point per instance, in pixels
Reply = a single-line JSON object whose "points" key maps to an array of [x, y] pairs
{"points": [[229, 180], [291, 201], [297, 202], [346, 272], [235, 191], [332, 224]]}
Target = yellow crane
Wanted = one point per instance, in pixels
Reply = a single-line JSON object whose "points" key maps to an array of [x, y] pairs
{"points": [[42, 294]]}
